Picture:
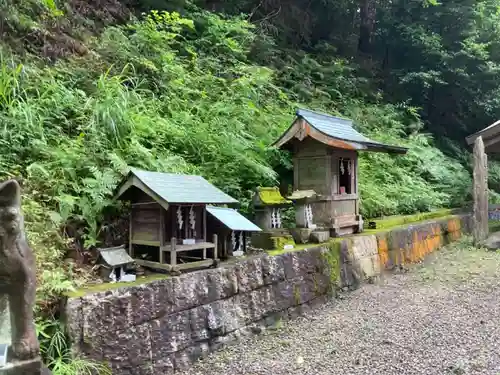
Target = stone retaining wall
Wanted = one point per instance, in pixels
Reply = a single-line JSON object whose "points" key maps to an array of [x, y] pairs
{"points": [[167, 324]]}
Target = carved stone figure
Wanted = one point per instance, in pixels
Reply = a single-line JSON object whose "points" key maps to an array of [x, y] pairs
{"points": [[17, 274]]}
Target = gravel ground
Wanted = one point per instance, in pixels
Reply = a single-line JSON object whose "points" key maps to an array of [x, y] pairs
{"points": [[439, 318]]}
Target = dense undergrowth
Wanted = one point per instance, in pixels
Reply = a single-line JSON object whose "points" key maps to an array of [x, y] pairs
{"points": [[186, 95], [200, 93]]}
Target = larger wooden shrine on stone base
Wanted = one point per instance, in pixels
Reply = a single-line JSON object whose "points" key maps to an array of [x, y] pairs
{"points": [[325, 159], [175, 223]]}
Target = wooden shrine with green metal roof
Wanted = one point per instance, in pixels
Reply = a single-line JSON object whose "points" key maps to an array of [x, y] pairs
{"points": [[172, 216], [325, 158]]}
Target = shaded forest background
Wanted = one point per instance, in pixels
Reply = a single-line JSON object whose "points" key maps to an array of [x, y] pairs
{"points": [[90, 88]]}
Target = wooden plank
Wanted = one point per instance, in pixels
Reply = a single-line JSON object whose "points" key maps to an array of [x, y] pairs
{"points": [[147, 263], [182, 267], [200, 264], [130, 236], [205, 231], [328, 174], [296, 180], [345, 197], [144, 232], [356, 183], [215, 247], [190, 257], [196, 246], [353, 176], [173, 253], [162, 235], [143, 203], [146, 243], [335, 175]]}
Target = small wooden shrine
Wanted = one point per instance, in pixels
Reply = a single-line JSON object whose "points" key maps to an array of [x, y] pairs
{"points": [[268, 204], [231, 229], [325, 156], [169, 225], [113, 262]]}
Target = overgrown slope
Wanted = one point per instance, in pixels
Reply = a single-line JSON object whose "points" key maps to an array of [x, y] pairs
{"points": [[202, 93], [88, 90]]}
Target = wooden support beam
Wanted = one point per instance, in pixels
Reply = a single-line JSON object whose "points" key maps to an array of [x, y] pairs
{"points": [[205, 231], [193, 265], [146, 243], [149, 264], [162, 235], [215, 247], [130, 235], [180, 267], [173, 252]]}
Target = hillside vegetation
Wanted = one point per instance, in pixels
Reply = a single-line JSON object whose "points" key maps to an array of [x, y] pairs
{"points": [[189, 94], [88, 89]]}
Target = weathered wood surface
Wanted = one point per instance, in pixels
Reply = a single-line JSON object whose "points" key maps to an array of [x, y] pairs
{"points": [[480, 193]]}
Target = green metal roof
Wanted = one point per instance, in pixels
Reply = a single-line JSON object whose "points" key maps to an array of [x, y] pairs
{"points": [[232, 219], [338, 129], [179, 188]]}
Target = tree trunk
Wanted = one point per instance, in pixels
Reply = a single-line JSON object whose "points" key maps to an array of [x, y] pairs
{"points": [[368, 13]]}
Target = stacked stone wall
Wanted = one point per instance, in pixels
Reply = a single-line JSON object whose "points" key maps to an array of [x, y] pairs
{"points": [[167, 324]]}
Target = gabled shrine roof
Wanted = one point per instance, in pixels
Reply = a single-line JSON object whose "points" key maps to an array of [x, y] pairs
{"points": [[115, 256], [269, 196], [173, 188], [333, 131], [491, 138], [232, 219]]}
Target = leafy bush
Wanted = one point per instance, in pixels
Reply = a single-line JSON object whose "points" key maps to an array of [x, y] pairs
{"points": [[57, 354]]}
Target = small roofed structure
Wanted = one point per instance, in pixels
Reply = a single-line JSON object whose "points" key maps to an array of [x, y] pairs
{"points": [[325, 156], [303, 210], [268, 204], [231, 228], [113, 262], [168, 219]]}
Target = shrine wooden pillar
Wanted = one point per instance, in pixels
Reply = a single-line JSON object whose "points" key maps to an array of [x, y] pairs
{"points": [[480, 192]]}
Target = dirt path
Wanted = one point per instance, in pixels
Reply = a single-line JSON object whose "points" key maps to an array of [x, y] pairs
{"points": [[441, 318]]}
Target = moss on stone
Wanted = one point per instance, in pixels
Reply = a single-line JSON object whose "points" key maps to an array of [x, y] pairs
{"points": [[279, 242], [296, 248], [296, 294], [316, 286], [96, 288], [271, 196], [332, 261], [405, 221], [494, 226]]}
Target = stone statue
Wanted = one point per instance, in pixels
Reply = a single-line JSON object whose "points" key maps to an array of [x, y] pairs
{"points": [[17, 275]]}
